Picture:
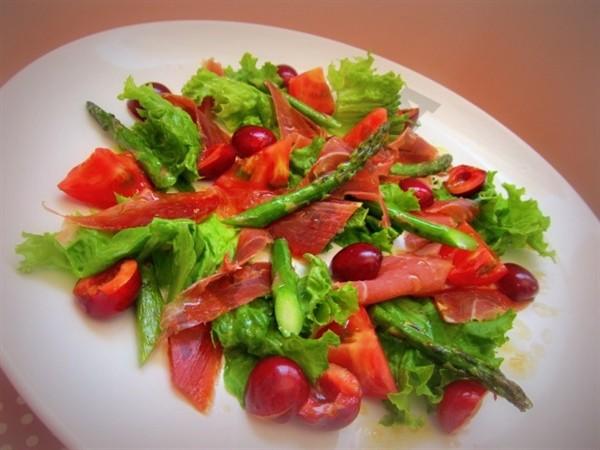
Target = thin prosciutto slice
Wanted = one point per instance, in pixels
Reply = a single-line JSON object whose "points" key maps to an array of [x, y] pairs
{"points": [[465, 305], [310, 229], [412, 148], [404, 275], [195, 361], [211, 131], [289, 120], [213, 296], [460, 210], [250, 242], [334, 152], [141, 210]]}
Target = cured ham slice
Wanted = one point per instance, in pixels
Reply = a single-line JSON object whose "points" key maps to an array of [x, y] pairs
{"points": [[460, 210], [213, 296], [464, 305], [310, 229], [140, 211], [195, 361], [334, 152], [404, 275], [412, 148], [289, 120], [250, 242], [211, 131]]}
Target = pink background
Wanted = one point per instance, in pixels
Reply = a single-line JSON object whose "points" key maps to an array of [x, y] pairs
{"points": [[534, 65]]}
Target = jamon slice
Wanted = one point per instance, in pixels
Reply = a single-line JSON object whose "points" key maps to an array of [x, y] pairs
{"points": [[195, 362], [412, 148], [404, 275], [464, 305], [310, 229]]}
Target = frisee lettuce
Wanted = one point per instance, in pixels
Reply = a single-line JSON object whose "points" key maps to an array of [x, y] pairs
{"points": [[359, 89], [510, 221], [167, 131]]}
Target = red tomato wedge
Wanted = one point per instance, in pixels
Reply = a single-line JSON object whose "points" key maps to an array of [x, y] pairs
{"points": [[270, 167], [366, 127], [360, 352], [104, 174], [238, 194], [216, 160], [466, 304], [195, 362], [404, 275], [311, 228], [335, 400], [210, 297], [473, 268], [108, 293], [312, 88], [141, 210], [462, 399]]}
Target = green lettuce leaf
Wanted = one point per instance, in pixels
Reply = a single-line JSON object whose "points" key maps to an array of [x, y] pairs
{"points": [[238, 366], [237, 103], [213, 241], [148, 310], [322, 303], [302, 159], [252, 329], [249, 72], [397, 199], [417, 375], [167, 131], [359, 90], [362, 227], [510, 221]]}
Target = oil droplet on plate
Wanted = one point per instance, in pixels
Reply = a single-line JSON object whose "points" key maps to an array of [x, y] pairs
{"points": [[544, 310]]}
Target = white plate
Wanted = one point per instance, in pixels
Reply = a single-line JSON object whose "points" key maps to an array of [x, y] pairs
{"points": [[81, 376]]}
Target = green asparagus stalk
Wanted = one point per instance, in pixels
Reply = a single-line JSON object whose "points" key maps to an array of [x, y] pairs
{"points": [[317, 117], [127, 139], [148, 311], [422, 169], [288, 311], [429, 230], [265, 213], [451, 358]]}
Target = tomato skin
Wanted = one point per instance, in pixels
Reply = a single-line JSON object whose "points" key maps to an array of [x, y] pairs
{"points": [[473, 268], [335, 400], [277, 388], [216, 160], [270, 167], [311, 88], [360, 352], [102, 175], [366, 127], [465, 180], [462, 399], [111, 291]]}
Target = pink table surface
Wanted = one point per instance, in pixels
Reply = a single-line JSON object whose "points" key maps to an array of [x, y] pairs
{"points": [[532, 64]]}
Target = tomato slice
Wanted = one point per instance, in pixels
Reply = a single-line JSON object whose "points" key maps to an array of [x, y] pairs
{"points": [[335, 400], [465, 180], [462, 399], [270, 167], [360, 352], [216, 160], [111, 291], [195, 361], [104, 174], [473, 268], [366, 127], [312, 88], [465, 304]]}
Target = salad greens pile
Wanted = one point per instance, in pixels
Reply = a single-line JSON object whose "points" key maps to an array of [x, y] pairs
{"points": [[424, 352]]}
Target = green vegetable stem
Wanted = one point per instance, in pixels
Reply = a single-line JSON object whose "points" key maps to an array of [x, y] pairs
{"points": [[288, 311], [265, 213], [149, 308], [422, 169], [324, 120]]}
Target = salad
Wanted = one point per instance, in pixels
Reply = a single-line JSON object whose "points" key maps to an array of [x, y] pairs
{"points": [[216, 215]]}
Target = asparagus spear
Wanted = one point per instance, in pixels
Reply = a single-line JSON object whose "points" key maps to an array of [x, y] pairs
{"points": [[148, 311], [317, 117], [288, 311], [463, 363], [265, 213], [127, 139], [424, 228], [422, 169]]}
